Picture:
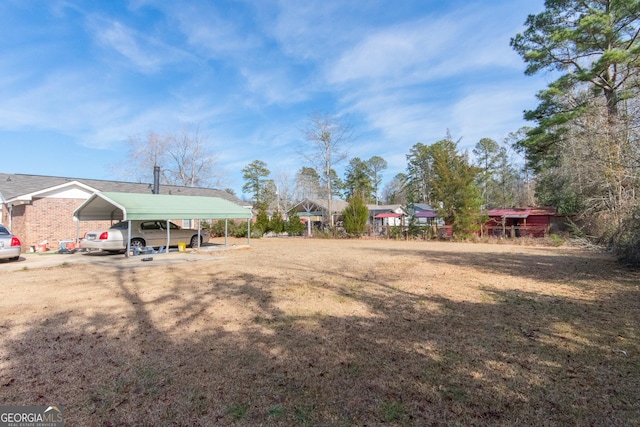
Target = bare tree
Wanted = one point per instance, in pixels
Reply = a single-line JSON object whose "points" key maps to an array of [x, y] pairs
{"points": [[328, 138], [190, 163], [285, 186], [184, 159], [395, 191], [376, 166], [144, 154]]}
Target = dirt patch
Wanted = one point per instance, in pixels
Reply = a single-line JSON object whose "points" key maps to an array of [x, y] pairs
{"points": [[329, 332]]}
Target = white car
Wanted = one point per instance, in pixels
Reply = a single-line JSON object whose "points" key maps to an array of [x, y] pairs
{"points": [[143, 234], [10, 246]]}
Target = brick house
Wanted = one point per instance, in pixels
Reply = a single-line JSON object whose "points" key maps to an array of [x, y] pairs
{"points": [[38, 208]]}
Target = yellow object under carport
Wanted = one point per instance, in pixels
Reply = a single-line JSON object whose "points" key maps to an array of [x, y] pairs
{"points": [[182, 246]]}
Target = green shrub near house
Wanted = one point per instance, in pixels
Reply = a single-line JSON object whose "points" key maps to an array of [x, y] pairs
{"points": [[355, 216]]}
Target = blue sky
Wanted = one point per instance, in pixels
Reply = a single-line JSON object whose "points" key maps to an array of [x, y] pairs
{"points": [[79, 78]]}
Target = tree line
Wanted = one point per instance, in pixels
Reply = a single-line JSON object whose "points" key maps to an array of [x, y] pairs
{"points": [[581, 153]]}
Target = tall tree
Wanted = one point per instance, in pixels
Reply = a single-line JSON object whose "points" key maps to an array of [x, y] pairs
{"points": [[285, 191], [376, 165], [190, 163], [453, 187], [328, 138], [498, 180], [184, 159], [256, 183], [144, 154], [395, 190], [337, 185], [524, 193], [507, 183], [419, 174], [487, 155], [594, 42], [358, 179], [308, 183], [586, 133]]}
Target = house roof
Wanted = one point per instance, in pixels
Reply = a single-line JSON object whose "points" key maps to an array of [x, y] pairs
{"points": [[16, 186], [310, 205], [522, 212], [417, 209], [132, 206], [423, 207], [313, 205], [388, 215], [425, 214], [376, 209]]}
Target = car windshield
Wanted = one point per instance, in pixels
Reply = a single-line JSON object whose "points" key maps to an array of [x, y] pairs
{"points": [[4, 231], [120, 226]]}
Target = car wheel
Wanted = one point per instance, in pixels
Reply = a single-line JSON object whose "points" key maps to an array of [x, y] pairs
{"points": [[194, 242], [138, 243]]}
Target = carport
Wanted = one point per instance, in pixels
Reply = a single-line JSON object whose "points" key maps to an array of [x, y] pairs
{"points": [[132, 206]]}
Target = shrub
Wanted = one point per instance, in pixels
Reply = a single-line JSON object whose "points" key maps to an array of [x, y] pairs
{"points": [[276, 223], [234, 228], [294, 226], [355, 216], [626, 241], [396, 233], [556, 240], [261, 225]]}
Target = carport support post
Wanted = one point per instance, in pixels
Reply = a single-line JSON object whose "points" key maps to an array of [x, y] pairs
{"points": [[128, 239], [249, 231], [168, 236], [226, 230]]}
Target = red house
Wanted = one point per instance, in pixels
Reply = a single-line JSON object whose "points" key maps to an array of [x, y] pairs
{"points": [[520, 222]]}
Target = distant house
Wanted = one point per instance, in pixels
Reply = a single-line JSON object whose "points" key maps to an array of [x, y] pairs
{"points": [[422, 213], [386, 215], [40, 208], [314, 212], [520, 222]]}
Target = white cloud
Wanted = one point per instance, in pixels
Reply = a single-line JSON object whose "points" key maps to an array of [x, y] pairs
{"points": [[314, 30], [146, 53], [426, 49], [491, 112], [272, 86], [209, 31]]}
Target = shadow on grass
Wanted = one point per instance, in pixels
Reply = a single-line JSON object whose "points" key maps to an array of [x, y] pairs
{"points": [[231, 355], [578, 268]]}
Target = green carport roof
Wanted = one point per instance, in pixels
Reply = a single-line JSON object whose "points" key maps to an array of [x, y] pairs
{"points": [[133, 206]]}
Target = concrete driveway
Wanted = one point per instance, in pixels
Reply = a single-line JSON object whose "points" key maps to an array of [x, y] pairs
{"points": [[53, 259]]}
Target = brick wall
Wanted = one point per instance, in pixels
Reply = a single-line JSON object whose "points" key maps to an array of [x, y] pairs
{"points": [[50, 219], [16, 222]]}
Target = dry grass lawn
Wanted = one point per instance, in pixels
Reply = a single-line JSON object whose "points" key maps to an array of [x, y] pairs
{"points": [[329, 333]]}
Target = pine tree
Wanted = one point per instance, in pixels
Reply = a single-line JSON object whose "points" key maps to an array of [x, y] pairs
{"points": [[454, 189], [355, 216]]}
